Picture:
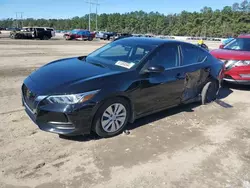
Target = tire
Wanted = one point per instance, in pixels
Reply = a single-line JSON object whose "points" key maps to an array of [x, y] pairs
{"points": [[103, 125], [45, 37], [12, 36], [209, 92], [90, 39]]}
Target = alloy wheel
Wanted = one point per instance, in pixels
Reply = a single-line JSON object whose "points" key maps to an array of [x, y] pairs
{"points": [[114, 117]]}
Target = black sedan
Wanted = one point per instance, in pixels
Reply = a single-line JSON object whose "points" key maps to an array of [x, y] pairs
{"points": [[119, 83]]}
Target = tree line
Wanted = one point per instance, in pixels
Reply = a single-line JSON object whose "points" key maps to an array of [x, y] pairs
{"points": [[230, 21]]}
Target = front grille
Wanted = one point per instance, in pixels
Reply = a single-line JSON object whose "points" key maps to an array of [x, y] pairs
{"points": [[28, 97], [228, 77]]}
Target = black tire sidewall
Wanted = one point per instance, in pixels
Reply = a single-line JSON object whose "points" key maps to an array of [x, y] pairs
{"points": [[97, 127], [45, 37], [204, 94]]}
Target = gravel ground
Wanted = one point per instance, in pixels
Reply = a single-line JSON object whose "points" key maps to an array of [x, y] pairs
{"points": [[189, 146]]}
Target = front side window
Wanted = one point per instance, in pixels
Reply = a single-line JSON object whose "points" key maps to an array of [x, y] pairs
{"points": [[240, 44], [120, 52], [167, 56], [192, 54]]}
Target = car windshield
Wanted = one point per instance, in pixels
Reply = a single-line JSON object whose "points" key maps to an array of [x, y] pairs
{"points": [[239, 44], [120, 54]]}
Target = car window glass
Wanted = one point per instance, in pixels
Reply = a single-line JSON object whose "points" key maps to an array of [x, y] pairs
{"points": [[167, 56], [241, 44], [118, 50], [139, 51], [192, 54], [40, 29]]}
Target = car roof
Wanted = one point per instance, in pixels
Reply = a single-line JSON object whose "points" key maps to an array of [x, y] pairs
{"points": [[148, 41], [245, 36]]}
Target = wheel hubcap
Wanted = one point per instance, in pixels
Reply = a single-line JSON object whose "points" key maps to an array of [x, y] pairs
{"points": [[113, 117]]}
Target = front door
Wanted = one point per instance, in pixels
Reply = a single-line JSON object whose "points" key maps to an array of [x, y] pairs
{"points": [[162, 90]]}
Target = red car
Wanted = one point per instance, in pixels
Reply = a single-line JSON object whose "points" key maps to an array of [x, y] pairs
{"points": [[79, 34], [236, 56]]}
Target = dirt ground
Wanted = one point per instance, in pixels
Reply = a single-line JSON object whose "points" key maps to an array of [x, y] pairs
{"points": [[190, 146]]}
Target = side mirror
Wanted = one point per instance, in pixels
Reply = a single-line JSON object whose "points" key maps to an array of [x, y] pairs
{"points": [[156, 69], [222, 46]]}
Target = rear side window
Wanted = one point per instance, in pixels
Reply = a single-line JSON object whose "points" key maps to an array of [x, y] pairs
{"points": [[167, 56], [40, 29], [192, 54]]}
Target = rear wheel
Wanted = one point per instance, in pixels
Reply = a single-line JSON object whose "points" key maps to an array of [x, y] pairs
{"points": [[209, 92], [90, 38], [45, 37], [111, 118]]}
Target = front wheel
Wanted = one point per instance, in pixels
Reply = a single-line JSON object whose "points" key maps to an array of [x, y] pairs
{"points": [[111, 118], [209, 92]]}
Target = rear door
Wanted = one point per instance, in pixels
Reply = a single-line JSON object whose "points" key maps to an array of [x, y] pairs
{"points": [[195, 70]]}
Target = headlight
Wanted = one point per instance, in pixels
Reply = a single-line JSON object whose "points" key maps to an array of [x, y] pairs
{"points": [[71, 99], [236, 63]]}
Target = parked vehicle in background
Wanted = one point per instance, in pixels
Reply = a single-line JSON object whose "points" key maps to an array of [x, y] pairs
{"points": [[236, 56], [105, 35], [109, 35], [99, 34], [13, 29], [79, 34], [226, 41], [31, 33], [52, 30], [119, 83]]}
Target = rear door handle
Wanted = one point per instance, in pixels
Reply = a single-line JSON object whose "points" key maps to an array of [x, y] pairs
{"points": [[179, 76]]}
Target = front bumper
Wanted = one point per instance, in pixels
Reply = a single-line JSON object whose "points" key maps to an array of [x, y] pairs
{"points": [[62, 119], [241, 82]]}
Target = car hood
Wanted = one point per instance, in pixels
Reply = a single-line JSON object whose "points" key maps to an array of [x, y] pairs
{"points": [[63, 73], [231, 54]]}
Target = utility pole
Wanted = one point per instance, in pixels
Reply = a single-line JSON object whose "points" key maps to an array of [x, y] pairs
{"points": [[90, 4], [16, 21], [21, 19], [89, 15], [96, 16]]}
